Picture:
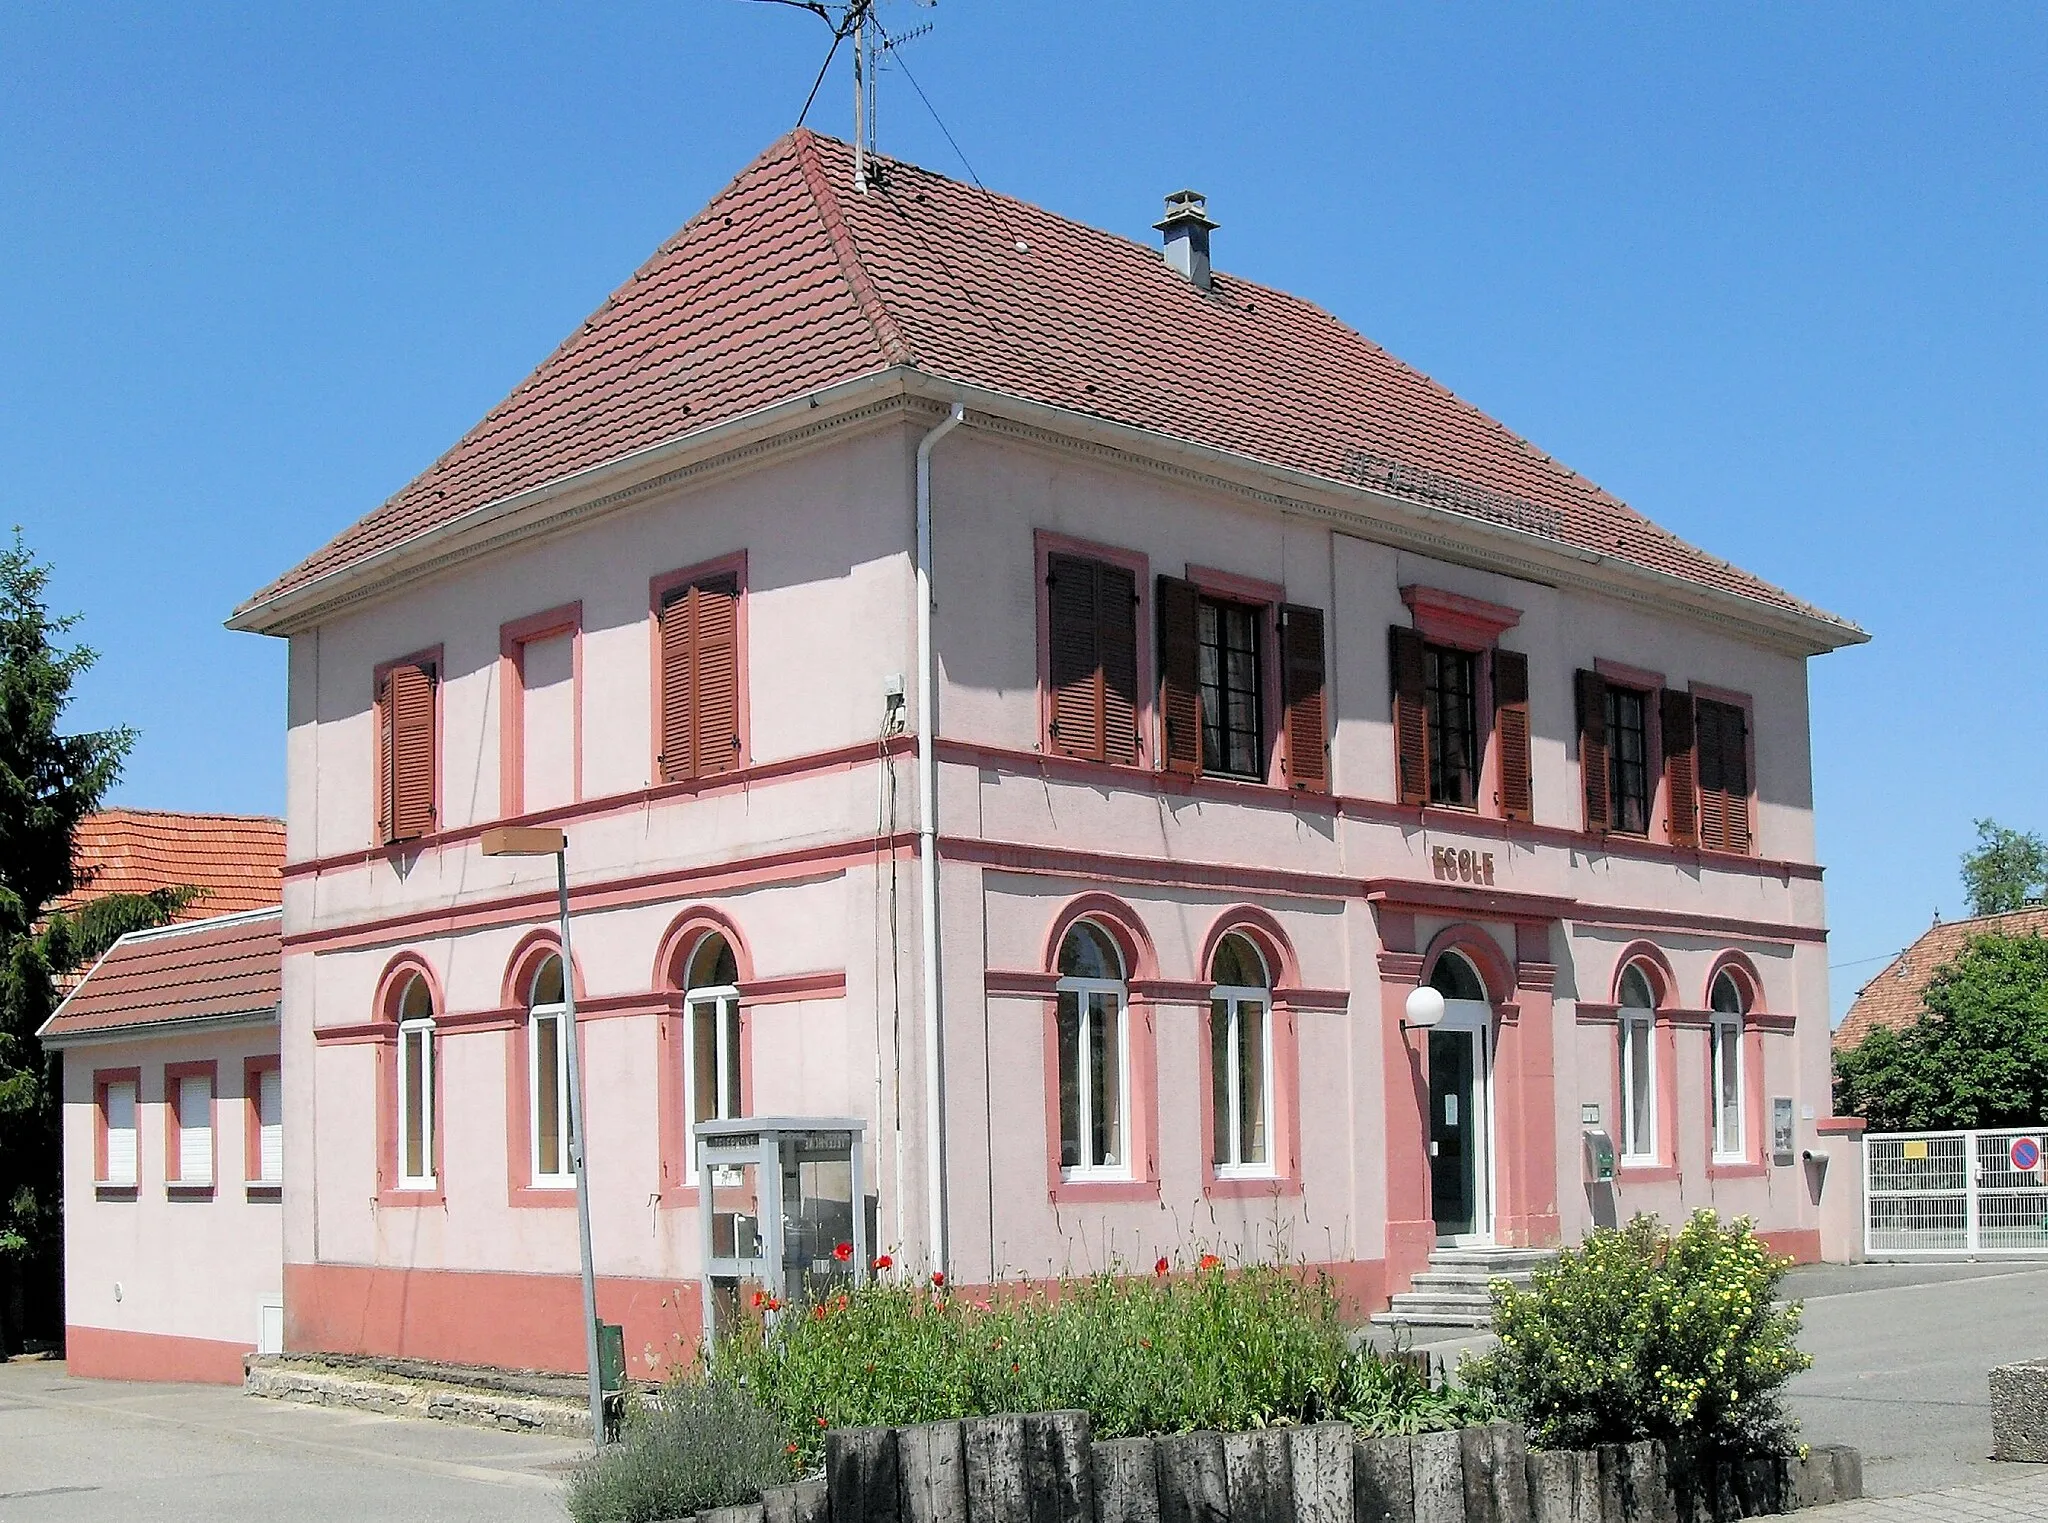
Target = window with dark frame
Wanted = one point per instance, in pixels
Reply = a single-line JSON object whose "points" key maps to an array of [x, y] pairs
{"points": [[1628, 767], [1227, 642], [1451, 693]]}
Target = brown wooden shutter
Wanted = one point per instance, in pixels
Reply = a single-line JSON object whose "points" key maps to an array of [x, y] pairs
{"points": [[678, 627], [1411, 714], [1681, 773], [1180, 692], [1116, 625], [1511, 733], [715, 678], [412, 751], [1723, 747], [1591, 690], [386, 757], [1304, 684], [1074, 663]]}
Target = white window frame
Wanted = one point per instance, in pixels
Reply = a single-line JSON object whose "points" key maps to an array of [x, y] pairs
{"points": [[1084, 990], [133, 1174], [421, 1027], [266, 1154], [564, 1176], [189, 1127], [1725, 1024], [1234, 998], [722, 1002], [1638, 1023]]}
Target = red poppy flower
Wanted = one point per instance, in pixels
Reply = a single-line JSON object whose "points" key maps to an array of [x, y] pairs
{"points": [[1161, 1267], [939, 1278], [817, 1314], [821, 1422], [789, 1448], [773, 1304], [1210, 1261], [843, 1252], [760, 1299], [884, 1262]]}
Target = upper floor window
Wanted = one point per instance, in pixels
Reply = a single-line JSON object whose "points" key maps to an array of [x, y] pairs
{"points": [[268, 1116], [1461, 714], [190, 1092], [1091, 658], [1240, 1060], [1241, 684], [408, 746], [118, 1152], [711, 1045], [1637, 1020], [416, 1086], [698, 682], [1727, 1006], [540, 711], [1628, 759], [547, 1061], [1722, 743], [1094, 1055], [1451, 695]]}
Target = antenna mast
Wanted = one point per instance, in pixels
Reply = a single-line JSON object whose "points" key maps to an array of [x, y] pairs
{"points": [[863, 90]]}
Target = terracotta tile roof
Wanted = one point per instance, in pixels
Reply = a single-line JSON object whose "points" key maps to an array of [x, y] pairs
{"points": [[788, 281], [234, 860], [1892, 999], [202, 969]]}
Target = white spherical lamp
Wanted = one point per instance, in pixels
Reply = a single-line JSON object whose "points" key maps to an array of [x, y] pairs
{"points": [[1425, 1008]]}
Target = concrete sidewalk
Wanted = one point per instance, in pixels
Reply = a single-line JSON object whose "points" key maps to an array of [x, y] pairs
{"points": [[97, 1449], [2019, 1498]]}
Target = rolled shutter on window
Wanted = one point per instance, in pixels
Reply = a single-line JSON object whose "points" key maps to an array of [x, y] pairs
{"points": [[270, 1125], [1511, 729], [1411, 714], [195, 1129], [121, 1160], [410, 750], [1591, 691], [1180, 693], [1681, 770], [1304, 684]]}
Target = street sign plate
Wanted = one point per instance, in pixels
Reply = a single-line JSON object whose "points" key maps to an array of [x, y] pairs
{"points": [[2025, 1154]]}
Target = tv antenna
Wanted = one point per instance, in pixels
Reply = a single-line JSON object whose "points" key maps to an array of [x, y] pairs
{"points": [[856, 19]]}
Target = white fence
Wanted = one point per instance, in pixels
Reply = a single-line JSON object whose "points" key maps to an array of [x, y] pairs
{"points": [[1955, 1192]]}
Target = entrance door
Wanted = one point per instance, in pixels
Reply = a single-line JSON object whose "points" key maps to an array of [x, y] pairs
{"points": [[1461, 1119]]}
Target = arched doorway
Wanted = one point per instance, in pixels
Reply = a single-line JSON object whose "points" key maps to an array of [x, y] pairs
{"points": [[1461, 1172]]}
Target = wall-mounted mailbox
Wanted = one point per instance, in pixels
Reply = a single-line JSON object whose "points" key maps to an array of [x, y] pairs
{"points": [[1784, 1149], [1599, 1158]]}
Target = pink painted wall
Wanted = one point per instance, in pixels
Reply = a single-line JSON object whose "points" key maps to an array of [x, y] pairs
{"points": [[163, 1283], [801, 853]]}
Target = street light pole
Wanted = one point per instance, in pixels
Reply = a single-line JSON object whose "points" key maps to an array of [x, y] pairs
{"points": [[517, 841]]}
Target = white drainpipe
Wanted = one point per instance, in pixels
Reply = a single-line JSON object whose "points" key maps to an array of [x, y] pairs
{"points": [[928, 850]]}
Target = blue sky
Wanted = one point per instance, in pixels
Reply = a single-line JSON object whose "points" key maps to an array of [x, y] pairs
{"points": [[1773, 274]]}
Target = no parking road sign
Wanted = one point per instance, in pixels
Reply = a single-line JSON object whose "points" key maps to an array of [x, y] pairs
{"points": [[2025, 1154]]}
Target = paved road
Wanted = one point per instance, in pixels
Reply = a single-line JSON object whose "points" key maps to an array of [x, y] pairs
{"points": [[97, 1449], [1901, 1356]]}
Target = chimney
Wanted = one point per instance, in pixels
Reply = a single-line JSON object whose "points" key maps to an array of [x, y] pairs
{"points": [[1187, 228]]}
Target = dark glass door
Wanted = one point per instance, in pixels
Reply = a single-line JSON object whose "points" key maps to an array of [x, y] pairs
{"points": [[1453, 1133]]}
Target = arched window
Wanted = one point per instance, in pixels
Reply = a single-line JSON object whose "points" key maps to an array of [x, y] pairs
{"points": [[1454, 977], [547, 1061], [1638, 1067], [1727, 1004], [416, 1085], [711, 1047], [1094, 1055], [1240, 1060]]}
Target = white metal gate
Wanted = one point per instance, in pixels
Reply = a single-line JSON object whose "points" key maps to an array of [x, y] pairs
{"points": [[1955, 1192]]}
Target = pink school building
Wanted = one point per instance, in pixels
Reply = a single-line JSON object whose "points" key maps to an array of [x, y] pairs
{"points": [[1263, 681]]}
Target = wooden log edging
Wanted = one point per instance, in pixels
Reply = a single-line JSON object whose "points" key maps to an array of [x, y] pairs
{"points": [[1047, 1467]]}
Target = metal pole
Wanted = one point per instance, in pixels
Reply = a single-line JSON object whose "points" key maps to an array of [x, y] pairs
{"points": [[576, 1155]]}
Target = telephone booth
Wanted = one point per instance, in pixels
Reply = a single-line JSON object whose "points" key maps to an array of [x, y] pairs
{"points": [[778, 1195]]}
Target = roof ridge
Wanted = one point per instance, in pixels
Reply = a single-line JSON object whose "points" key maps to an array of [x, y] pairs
{"points": [[895, 347], [182, 814], [210, 923]]}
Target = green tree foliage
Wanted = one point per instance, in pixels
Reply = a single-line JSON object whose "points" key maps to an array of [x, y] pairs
{"points": [[2007, 871], [48, 782], [1978, 1055]]}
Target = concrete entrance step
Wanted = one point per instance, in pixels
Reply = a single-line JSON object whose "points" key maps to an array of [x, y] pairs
{"points": [[1455, 1290], [517, 1401]]}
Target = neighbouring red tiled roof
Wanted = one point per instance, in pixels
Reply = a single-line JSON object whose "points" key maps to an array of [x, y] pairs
{"points": [[1892, 999], [202, 969], [789, 281], [234, 860]]}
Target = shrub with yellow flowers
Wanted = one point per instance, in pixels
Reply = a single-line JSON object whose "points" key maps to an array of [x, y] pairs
{"points": [[1643, 1333]]}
